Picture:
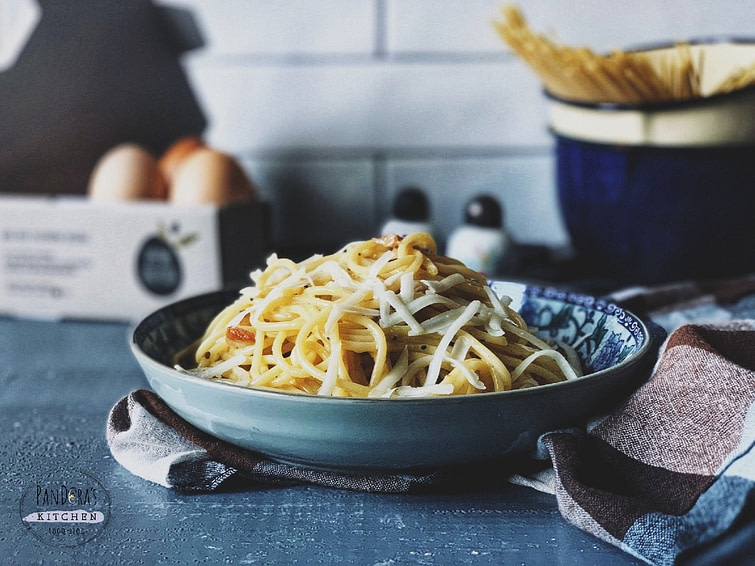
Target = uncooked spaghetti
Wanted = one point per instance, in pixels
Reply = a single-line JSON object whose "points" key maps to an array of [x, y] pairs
{"points": [[633, 77]]}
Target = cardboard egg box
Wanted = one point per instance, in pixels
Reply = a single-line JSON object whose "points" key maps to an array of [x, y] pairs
{"points": [[69, 257]]}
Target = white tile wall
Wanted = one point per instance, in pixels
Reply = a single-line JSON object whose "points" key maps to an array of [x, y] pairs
{"points": [[381, 105], [333, 105], [252, 28], [512, 178]]}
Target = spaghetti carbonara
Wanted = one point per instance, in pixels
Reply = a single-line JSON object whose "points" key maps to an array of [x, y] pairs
{"points": [[386, 317]]}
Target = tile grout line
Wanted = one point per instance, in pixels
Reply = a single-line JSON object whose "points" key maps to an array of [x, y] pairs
{"points": [[381, 30], [386, 154]]}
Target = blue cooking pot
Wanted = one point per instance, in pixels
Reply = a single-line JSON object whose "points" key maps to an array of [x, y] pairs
{"points": [[659, 193]]}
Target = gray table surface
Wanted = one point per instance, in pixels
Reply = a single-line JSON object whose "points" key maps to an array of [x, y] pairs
{"points": [[58, 380]]}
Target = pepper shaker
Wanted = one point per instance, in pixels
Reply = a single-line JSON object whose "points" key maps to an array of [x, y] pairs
{"points": [[411, 213], [481, 242]]}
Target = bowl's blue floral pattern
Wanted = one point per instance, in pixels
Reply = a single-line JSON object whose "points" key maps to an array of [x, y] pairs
{"points": [[602, 333]]}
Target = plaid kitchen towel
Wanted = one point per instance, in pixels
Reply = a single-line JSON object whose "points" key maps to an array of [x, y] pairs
{"points": [[691, 302], [673, 468], [668, 476], [151, 441]]}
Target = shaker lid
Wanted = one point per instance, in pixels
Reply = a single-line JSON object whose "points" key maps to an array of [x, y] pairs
{"points": [[484, 211], [411, 204]]}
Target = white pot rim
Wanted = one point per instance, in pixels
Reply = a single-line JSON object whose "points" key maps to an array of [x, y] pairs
{"points": [[727, 120]]}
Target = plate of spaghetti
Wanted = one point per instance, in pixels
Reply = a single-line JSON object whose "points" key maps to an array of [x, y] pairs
{"points": [[386, 355]]}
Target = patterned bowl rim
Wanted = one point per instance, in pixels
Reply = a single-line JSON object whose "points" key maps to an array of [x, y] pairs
{"points": [[628, 320]]}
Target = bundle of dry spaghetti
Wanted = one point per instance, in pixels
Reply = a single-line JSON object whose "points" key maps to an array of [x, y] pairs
{"points": [[386, 317], [579, 74]]}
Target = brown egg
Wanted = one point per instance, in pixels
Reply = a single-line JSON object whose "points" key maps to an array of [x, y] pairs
{"points": [[126, 172], [209, 176], [176, 153]]}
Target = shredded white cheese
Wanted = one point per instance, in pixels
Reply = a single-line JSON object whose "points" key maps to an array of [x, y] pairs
{"points": [[408, 391], [401, 310], [569, 372], [444, 284], [327, 385], [433, 371]]}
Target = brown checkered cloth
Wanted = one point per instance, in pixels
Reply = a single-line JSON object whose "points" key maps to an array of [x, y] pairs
{"points": [[668, 476]]}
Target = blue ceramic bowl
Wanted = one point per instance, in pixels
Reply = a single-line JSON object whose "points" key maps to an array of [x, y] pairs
{"points": [[664, 192], [402, 434]]}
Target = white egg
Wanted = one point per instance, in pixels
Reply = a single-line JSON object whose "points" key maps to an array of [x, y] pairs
{"points": [[126, 172]]}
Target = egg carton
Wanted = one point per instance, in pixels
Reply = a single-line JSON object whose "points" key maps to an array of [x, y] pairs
{"points": [[69, 257]]}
